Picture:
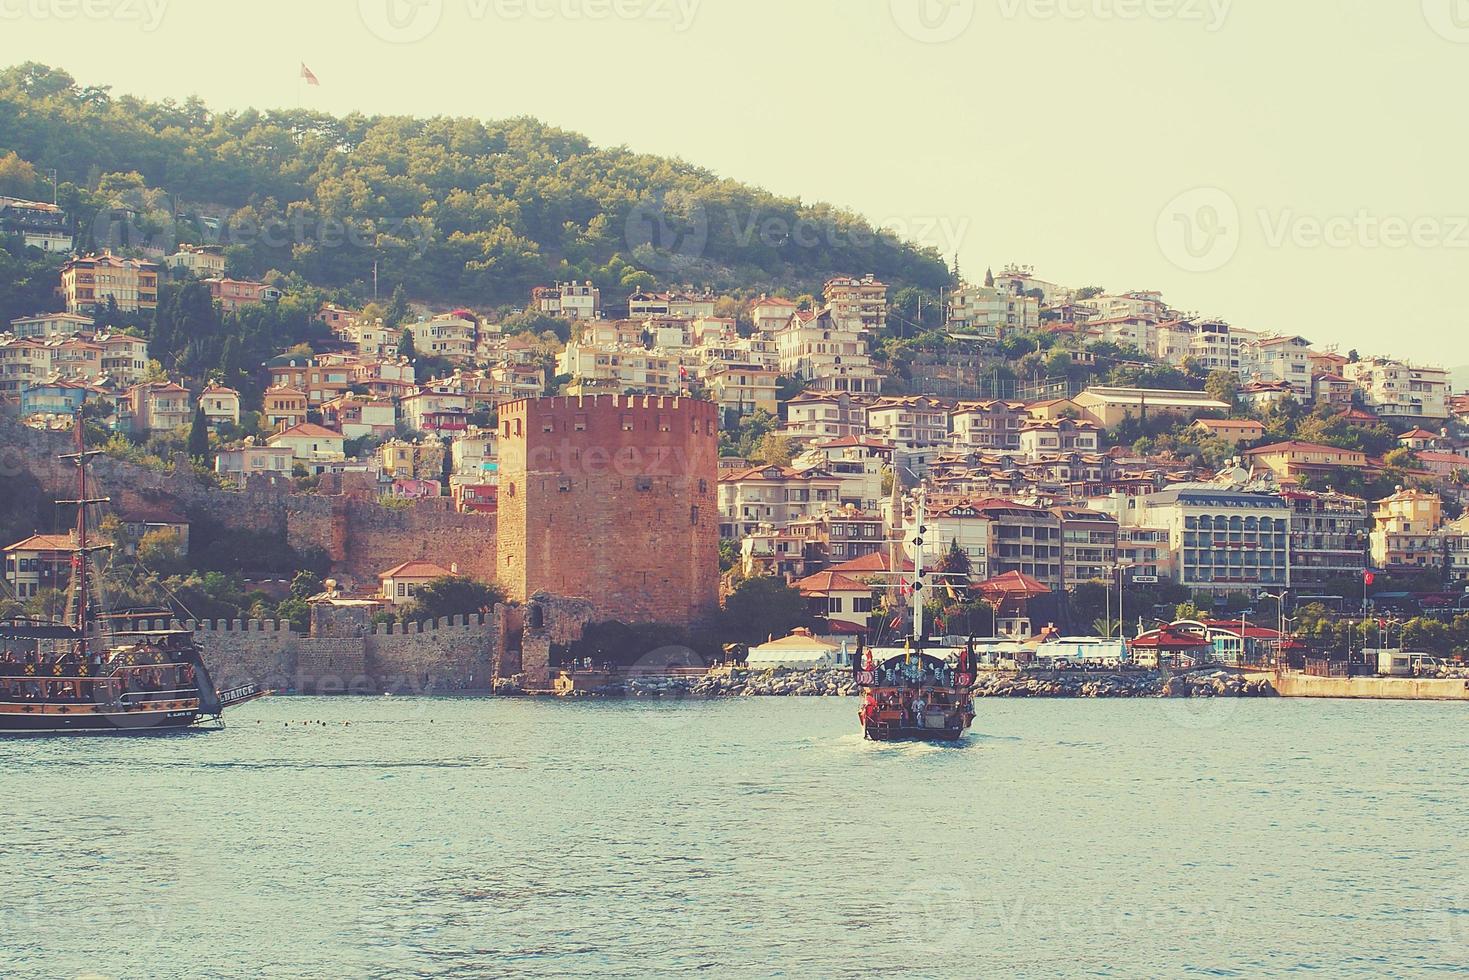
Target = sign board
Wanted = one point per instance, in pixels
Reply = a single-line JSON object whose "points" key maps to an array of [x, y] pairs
{"points": [[1145, 579]]}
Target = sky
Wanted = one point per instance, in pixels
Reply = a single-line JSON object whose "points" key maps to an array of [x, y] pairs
{"points": [[1294, 166]]}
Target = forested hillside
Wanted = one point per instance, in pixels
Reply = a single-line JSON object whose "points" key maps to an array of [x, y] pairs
{"points": [[459, 210]]}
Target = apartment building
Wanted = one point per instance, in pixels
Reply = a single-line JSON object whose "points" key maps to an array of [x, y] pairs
{"points": [[38, 224], [452, 336], [1328, 537], [1059, 436], [1401, 391], [988, 425], [1222, 540], [1282, 360], [826, 415], [773, 495], [990, 311], [916, 422], [858, 301], [741, 390], [829, 352], [158, 406], [200, 261], [51, 326], [771, 313], [220, 405], [88, 284], [234, 295], [569, 300], [859, 462], [1089, 542]]}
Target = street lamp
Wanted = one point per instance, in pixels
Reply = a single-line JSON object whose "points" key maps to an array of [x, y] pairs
{"points": [[1280, 613]]}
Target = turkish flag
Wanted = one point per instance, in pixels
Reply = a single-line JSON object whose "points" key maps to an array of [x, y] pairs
{"points": [[1369, 578]]}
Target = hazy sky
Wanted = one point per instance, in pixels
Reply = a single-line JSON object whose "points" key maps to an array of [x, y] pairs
{"points": [[1291, 165]]}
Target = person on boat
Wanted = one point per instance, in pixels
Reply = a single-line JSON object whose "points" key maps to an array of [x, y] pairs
{"points": [[919, 707]]}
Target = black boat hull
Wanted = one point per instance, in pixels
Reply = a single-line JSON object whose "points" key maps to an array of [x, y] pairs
{"points": [[903, 733], [84, 721]]}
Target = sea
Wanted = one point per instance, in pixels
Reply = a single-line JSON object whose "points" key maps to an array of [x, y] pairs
{"points": [[403, 837]]}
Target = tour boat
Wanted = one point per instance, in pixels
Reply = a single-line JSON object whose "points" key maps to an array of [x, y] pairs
{"points": [[920, 692], [79, 674]]}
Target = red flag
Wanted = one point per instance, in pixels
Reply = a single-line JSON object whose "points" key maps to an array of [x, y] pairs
{"points": [[1369, 577], [307, 74]]}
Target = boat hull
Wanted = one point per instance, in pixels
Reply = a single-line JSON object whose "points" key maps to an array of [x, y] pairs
{"points": [[913, 734], [83, 720]]}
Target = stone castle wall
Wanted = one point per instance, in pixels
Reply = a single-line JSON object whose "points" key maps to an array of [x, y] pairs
{"points": [[361, 535], [462, 654]]}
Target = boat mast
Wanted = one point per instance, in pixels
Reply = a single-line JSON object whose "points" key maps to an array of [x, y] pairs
{"points": [[919, 531], [81, 558]]}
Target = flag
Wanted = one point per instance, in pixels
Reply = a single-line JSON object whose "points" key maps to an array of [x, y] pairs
{"points": [[1369, 577], [310, 77]]}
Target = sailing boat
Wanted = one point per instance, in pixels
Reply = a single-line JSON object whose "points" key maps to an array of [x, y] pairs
{"points": [[74, 674], [919, 692]]}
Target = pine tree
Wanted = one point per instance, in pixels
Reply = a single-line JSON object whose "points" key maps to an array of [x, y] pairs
{"points": [[199, 436], [405, 346], [397, 307], [989, 278]]}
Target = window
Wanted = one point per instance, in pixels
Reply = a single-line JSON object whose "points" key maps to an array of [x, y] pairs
{"points": [[627, 423], [694, 516], [402, 589], [643, 484], [564, 485]]}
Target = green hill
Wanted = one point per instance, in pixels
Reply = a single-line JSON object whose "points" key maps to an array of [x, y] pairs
{"points": [[460, 210]]}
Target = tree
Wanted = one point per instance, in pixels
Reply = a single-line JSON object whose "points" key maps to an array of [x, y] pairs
{"points": [[775, 450], [759, 608], [397, 310], [1223, 386], [199, 436], [406, 348], [161, 552], [306, 584], [17, 176], [989, 278], [454, 595], [955, 563]]}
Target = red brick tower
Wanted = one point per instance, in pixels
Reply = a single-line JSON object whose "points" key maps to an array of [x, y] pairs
{"points": [[612, 498]]}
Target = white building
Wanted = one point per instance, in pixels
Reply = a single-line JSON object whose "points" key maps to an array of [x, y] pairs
{"points": [[828, 352], [991, 311], [1397, 390]]}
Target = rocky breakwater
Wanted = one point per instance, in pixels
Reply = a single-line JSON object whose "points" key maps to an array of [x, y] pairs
{"points": [[741, 682], [1127, 684]]}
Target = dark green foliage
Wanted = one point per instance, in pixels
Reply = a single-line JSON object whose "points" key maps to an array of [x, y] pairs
{"points": [[199, 436], [465, 210], [454, 595], [759, 608]]}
